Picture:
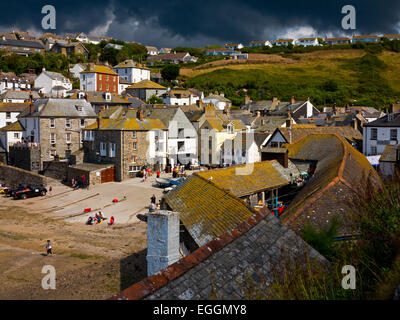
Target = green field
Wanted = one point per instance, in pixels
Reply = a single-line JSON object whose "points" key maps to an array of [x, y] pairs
{"points": [[332, 76]]}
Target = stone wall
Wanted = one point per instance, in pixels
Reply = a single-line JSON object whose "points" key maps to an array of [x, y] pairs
{"points": [[55, 169], [12, 176], [25, 157], [60, 130]]}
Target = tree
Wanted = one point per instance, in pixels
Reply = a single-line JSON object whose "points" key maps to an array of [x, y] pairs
{"points": [[170, 72], [155, 100]]}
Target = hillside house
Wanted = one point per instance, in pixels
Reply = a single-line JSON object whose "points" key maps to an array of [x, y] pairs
{"points": [[234, 46], [339, 40], [264, 43], [132, 72], [52, 84], [219, 101], [380, 133], [285, 42], [151, 51], [369, 38], [145, 89], [306, 42], [9, 81], [99, 78], [22, 47]]}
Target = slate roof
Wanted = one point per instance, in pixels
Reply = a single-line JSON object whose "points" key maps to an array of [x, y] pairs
{"points": [[271, 123], [130, 64], [168, 56], [259, 105], [217, 97], [256, 248], [341, 173], [22, 43], [15, 94], [135, 102], [301, 130], [389, 154], [56, 76], [60, 108], [385, 121], [100, 98]]}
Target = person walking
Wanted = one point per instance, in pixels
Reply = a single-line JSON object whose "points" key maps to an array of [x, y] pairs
{"points": [[158, 173], [51, 191], [49, 248], [153, 199]]}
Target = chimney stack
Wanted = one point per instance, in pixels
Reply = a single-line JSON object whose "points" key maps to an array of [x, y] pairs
{"points": [[140, 114], [246, 99], [99, 122], [31, 106], [162, 240]]}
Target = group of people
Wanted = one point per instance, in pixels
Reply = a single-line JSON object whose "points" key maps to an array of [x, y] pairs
{"points": [[146, 173], [176, 170], [80, 184], [99, 218], [153, 206]]}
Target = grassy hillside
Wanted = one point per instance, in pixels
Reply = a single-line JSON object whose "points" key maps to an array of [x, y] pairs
{"points": [[327, 77]]}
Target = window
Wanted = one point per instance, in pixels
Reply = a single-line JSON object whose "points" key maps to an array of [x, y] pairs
{"points": [[52, 138], [374, 151], [230, 128], [99, 76], [103, 149], [374, 134], [393, 134], [52, 123], [134, 168], [8, 115], [274, 144], [16, 135], [111, 148], [133, 134], [8, 123], [82, 123], [134, 146], [67, 123], [68, 137]]}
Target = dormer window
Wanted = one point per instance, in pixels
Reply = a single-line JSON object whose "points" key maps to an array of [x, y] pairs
{"points": [[108, 96]]}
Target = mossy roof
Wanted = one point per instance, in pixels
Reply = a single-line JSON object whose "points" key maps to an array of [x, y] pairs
{"points": [[206, 210], [341, 172], [127, 124], [246, 179]]}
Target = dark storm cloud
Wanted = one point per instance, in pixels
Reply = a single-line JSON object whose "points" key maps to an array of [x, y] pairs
{"points": [[163, 22]]}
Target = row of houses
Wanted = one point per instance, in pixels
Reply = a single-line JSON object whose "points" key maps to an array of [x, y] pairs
{"points": [[194, 134], [313, 41]]}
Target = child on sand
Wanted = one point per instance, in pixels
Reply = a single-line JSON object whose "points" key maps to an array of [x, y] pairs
{"points": [[49, 248]]}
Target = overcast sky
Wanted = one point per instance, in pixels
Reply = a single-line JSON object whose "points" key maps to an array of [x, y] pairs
{"points": [[171, 23]]}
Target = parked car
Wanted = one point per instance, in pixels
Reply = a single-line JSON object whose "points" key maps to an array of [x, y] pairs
{"points": [[9, 192], [29, 192]]}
